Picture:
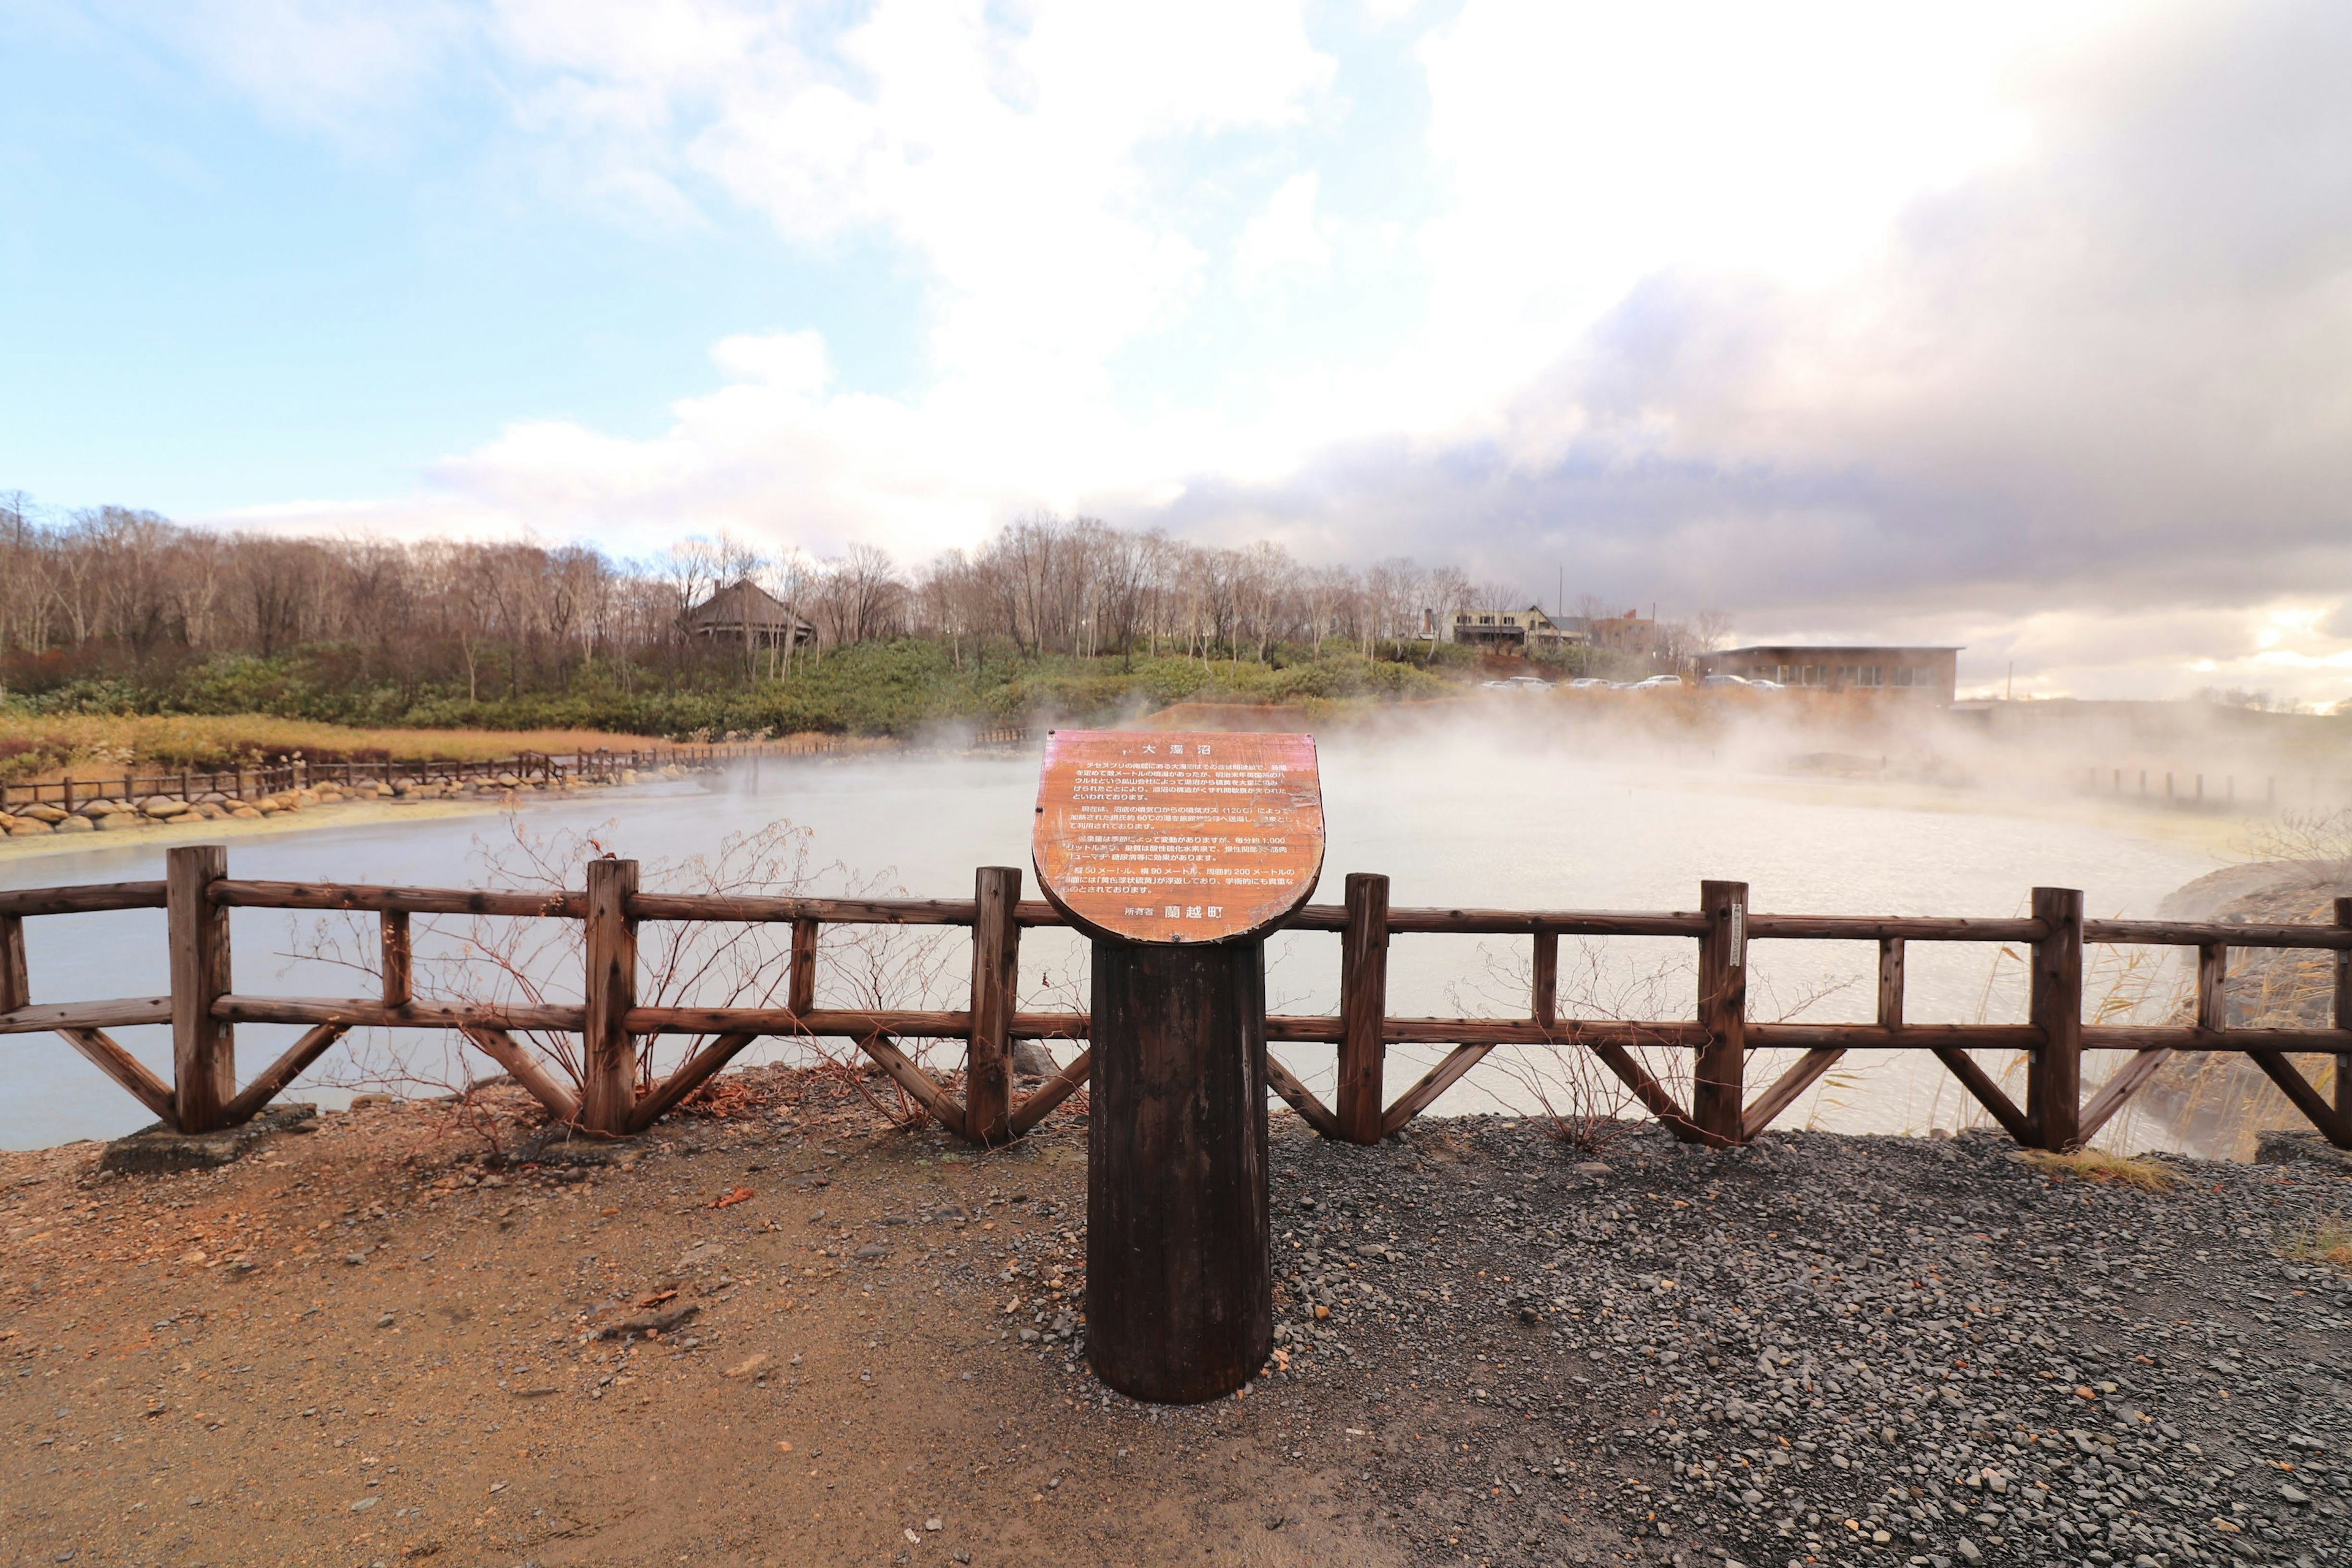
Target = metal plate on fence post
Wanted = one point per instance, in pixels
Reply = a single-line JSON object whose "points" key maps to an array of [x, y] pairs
{"points": [[1152, 836]]}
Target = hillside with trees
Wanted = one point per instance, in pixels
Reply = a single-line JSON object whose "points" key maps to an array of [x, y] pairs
{"points": [[115, 611]]}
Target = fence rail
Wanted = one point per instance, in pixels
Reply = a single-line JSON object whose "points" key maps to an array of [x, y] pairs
{"points": [[204, 1007], [262, 781]]}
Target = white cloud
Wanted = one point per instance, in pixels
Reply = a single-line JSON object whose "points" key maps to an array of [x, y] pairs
{"points": [[1287, 242], [2027, 320]]}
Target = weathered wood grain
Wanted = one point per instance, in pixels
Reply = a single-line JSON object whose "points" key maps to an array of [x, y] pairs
{"points": [[1364, 1006], [1180, 1285], [204, 1048]]}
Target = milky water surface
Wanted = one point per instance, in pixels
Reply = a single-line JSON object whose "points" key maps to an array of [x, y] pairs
{"points": [[1458, 823]]}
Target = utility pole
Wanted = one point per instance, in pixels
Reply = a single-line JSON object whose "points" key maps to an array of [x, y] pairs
{"points": [[2009, 694]]}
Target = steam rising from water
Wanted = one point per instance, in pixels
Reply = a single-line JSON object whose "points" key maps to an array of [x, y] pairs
{"points": [[1526, 803]]}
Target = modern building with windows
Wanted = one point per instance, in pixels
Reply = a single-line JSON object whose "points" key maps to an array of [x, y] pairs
{"points": [[1929, 673]]}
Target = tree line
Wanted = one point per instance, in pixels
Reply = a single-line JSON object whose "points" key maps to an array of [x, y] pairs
{"points": [[127, 593]]}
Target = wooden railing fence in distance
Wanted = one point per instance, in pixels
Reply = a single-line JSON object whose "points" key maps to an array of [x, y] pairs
{"points": [[204, 1007], [284, 777]]}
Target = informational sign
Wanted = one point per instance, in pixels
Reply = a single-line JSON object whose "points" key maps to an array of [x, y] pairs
{"points": [[1151, 837]]}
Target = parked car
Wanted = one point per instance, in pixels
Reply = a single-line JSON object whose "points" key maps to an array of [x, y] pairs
{"points": [[1494, 686], [1587, 683], [1721, 679], [1657, 683], [1530, 683], [1760, 684]]}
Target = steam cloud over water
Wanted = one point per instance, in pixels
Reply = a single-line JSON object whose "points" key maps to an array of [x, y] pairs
{"points": [[1527, 801]]}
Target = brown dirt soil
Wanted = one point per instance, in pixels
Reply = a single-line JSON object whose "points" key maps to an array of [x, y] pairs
{"points": [[364, 1345]]}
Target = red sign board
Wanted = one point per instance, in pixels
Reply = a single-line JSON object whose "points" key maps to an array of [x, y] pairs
{"points": [[1150, 836]]}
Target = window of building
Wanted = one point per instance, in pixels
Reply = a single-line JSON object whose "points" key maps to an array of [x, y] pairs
{"points": [[1847, 675], [1903, 676]]}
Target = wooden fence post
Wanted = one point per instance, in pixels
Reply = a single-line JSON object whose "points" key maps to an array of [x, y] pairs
{"points": [[399, 959], [1363, 1007], [1890, 982], [2212, 985], [800, 994], [609, 1054], [2343, 1019], [2053, 1079], [1544, 993], [15, 982], [1717, 1076], [995, 991], [203, 1054]]}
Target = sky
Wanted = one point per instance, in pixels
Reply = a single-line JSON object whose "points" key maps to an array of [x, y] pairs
{"points": [[2026, 327]]}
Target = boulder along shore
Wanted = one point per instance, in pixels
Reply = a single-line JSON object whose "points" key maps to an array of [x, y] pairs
{"points": [[210, 816], [794, 1334]]}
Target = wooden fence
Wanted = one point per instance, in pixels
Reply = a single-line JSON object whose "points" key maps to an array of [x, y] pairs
{"points": [[264, 780], [2187, 788], [205, 1005]]}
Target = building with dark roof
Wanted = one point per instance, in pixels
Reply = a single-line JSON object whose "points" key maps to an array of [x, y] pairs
{"points": [[747, 613]]}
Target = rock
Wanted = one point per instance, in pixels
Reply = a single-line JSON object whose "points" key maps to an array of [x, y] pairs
{"points": [[933, 1524], [364, 1504], [2294, 1494], [118, 821], [33, 829], [2287, 1146], [385, 1321], [659, 1323], [1967, 1549], [748, 1366], [49, 814], [1029, 1336], [354, 1258], [871, 1249], [75, 825], [162, 805], [157, 1149]]}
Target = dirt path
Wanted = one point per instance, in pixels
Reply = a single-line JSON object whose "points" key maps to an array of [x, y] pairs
{"points": [[365, 1345], [352, 1347]]}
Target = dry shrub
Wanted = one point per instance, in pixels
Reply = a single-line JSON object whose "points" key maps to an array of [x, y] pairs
{"points": [[487, 961], [2327, 1239], [2098, 1165], [1585, 1106]]}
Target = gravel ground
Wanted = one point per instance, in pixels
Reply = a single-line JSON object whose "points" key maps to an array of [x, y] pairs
{"points": [[1866, 1353], [1824, 1350]]}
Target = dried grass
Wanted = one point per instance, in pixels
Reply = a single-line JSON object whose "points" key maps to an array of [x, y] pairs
{"points": [[35, 747], [2098, 1165], [2327, 1239]]}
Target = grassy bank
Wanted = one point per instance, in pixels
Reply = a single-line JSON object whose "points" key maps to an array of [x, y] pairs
{"points": [[223, 710]]}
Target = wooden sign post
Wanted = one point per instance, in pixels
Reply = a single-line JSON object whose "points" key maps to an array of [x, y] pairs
{"points": [[1176, 853]]}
